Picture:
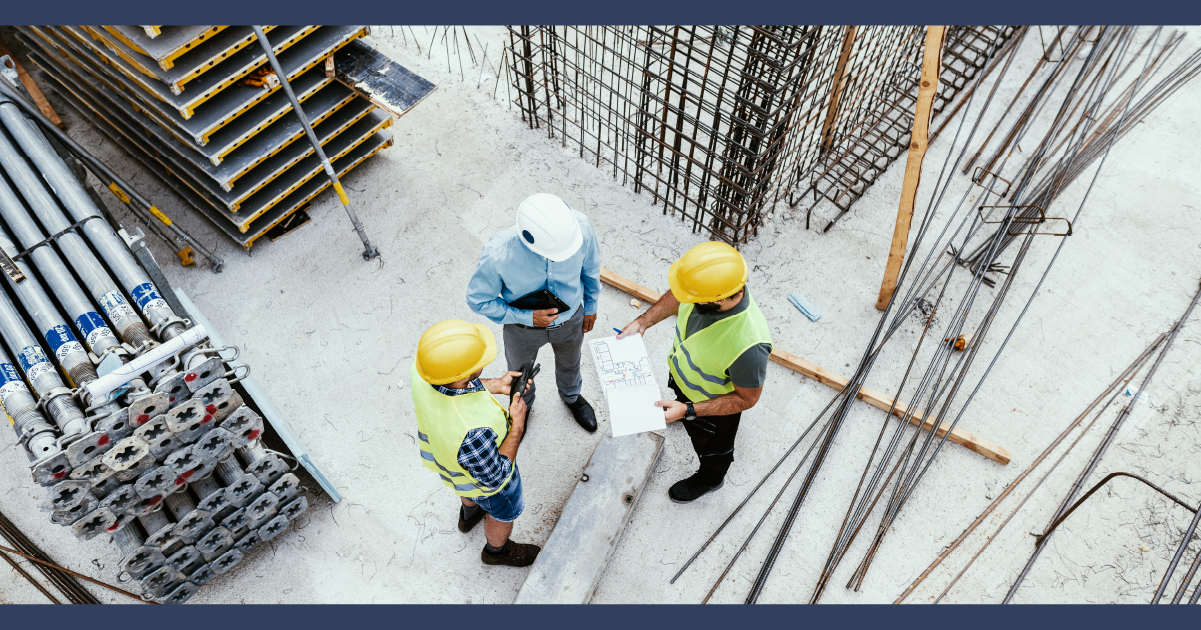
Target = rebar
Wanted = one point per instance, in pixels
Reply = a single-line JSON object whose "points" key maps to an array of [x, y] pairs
{"points": [[720, 123], [1100, 453]]}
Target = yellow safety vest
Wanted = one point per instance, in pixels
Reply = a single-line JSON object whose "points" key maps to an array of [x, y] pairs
{"points": [[442, 423], [699, 363]]}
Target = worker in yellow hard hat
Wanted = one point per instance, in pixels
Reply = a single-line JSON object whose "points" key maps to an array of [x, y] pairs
{"points": [[718, 362], [467, 437]]}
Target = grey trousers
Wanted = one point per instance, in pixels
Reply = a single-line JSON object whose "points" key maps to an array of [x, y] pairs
{"points": [[567, 340]]}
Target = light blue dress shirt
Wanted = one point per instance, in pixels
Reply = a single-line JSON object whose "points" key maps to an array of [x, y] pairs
{"points": [[507, 270]]}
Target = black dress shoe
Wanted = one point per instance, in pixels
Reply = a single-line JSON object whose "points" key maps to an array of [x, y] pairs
{"points": [[691, 489], [583, 413], [465, 524]]}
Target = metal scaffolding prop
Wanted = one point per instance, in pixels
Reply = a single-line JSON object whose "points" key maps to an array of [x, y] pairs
{"points": [[133, 422], [208, 111], [721, 123]]}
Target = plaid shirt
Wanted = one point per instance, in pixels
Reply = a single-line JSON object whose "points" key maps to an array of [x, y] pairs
{"points": [[479, 454]]}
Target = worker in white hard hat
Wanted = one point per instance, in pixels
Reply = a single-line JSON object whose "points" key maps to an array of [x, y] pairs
{"points": [[467, 438], [718, 361], [541, 279]]}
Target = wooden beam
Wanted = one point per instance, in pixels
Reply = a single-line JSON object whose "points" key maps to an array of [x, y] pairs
{"points": [[966, 439], [839, 83], [39, 99], [931, 66]]}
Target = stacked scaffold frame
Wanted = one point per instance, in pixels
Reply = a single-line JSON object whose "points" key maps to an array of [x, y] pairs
{"points": [[200, 107]]}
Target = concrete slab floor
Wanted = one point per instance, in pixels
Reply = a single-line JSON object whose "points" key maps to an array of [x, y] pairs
{"points": [[330, 339]]}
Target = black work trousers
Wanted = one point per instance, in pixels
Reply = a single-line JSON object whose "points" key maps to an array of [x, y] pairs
{"points": [[712, 439]]}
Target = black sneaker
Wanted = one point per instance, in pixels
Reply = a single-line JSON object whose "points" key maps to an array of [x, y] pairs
{"points": [[465, 524], [691, 489], [583, 413], [513, 555]]}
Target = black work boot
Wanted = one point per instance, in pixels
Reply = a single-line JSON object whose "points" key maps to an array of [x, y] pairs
{"points": [[511, 555], [467, 522], [583, 413], [693, 488]]}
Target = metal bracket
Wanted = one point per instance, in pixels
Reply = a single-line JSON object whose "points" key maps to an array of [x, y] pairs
{"points": [[978, 179]]}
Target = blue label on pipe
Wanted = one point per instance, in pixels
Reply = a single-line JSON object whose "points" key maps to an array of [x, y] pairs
{"points": [[33, 360], [117, 309], [8, 374], [10, 383], [146, 297], [93, 328], [62, 341]]}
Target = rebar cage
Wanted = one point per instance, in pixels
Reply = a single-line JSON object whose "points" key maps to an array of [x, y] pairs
{"points": [[721, 123]]}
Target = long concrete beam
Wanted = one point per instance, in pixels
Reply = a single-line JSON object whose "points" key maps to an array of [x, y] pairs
{"points": [[568, 568], [959, 436]]}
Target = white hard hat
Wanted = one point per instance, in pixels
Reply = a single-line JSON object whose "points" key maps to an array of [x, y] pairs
{"points": [[548, 226]]}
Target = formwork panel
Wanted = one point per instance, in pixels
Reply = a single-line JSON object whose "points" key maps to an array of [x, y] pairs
{"points": [[244, 235], [244, 160], [164, 43]]}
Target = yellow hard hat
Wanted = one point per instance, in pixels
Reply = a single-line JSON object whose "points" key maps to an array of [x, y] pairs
{"points": [[706, 273], [452, 350]]}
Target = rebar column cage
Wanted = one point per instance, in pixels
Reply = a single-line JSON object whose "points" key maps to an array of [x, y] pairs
{"points": [[721, 123]]}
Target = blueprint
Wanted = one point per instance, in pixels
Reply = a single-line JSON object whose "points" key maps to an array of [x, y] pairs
{"points": [[629, 384]]}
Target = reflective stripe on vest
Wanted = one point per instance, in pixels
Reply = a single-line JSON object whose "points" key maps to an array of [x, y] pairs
{"points": [[442, 423], [700, 363]]}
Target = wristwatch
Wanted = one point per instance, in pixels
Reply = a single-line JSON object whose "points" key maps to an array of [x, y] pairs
{"points": [[691, 413]]}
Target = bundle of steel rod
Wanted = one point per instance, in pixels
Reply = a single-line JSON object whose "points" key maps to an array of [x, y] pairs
{"points": [[71, 589], [936, 376], [719, 123], [131, 420], [1069, 503], [1059, 163], [202, 108]]}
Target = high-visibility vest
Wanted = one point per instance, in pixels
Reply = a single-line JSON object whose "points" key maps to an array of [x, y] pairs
{"points": [[699, 363], [442, 423]]}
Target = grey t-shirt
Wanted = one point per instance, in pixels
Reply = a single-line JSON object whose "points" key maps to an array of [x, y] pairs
{"points": [[749, 370]]}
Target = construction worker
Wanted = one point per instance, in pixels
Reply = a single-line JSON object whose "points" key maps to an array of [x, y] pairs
{"points": [[551, 248], [718, 362], [467, 437]]}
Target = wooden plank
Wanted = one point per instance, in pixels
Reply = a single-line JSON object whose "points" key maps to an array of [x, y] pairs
{"points": [[31, 86], [839, 82], [931, 66], [964, 438]]}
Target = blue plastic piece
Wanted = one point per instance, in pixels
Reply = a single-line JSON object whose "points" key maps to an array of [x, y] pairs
{"points": [[804, 306]]}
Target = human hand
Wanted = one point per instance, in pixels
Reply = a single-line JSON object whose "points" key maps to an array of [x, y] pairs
{"points": [[634, 327], [546, 316], [506, 383], [672, 410], [517, 410], [589, 322]]}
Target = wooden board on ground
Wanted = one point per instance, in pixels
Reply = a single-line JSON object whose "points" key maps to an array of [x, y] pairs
{"points": [[31, 86], [964, 438]]}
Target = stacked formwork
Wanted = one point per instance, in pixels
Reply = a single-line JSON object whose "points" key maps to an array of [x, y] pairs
{"points": [[130, 419], [720, 123], [200, 107]]}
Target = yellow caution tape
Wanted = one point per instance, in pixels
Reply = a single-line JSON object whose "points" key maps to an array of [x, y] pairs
{"points": [[161, 217], [119, 193], [341, 193]]}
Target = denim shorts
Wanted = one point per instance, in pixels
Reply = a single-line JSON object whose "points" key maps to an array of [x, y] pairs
{"points": [[506, 505]]}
